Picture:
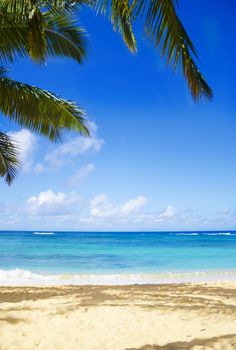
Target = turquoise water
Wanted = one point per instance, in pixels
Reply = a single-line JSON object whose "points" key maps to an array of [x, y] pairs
{"points": [[45, 255]]}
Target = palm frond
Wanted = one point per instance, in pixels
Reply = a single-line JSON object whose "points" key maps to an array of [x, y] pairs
{"points": [[21, 8], [118, 12], [64, 7], [39, 35], [27, 19], [40, 111], [13, 38], [163, 27], [36, 35], [64, 37], [9, 164], [25, 7]]}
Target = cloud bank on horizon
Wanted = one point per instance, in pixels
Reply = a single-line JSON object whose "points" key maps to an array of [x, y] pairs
{"points": [[71, 210]]}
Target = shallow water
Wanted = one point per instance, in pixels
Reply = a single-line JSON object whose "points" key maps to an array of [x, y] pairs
{"points": [[116, 257]]}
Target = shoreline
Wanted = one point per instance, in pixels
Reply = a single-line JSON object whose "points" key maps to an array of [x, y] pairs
{"points": [[192, 316], [19, 277], [220, 283]]}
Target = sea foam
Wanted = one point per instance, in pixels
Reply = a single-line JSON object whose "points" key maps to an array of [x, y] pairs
{"points": [[204, 234], [43, 233], [20, 277]]}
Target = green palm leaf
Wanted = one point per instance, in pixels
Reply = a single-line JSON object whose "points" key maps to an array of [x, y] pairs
{"points": [[163, 27], [40, 111], [13, 38], [40, 35], [36, 35], [9, 164], [64, 37], [26, 31], [118, 12], [25, 17]]}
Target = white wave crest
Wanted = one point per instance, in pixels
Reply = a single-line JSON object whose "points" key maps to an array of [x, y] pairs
{"points": [[220, 234], [188, 234], [19, 277], [43, 233], [226, 234], [205, 234]]}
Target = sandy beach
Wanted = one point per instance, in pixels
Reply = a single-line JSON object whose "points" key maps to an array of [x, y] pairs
{"points": [[147, 317]]}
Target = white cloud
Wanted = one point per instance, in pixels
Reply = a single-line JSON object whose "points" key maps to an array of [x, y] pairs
{"points": [[169, 212], [133, 205], [69, 150], [224, 212], [69, 211], [59, 155], [51, 203], [40, 168], [26, 142], [81, 174], [100, 207], [99, 199], [47, 197], [75, 147]]}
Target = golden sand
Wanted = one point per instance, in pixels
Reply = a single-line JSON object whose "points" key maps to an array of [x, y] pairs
{"points": [[147, 317]]}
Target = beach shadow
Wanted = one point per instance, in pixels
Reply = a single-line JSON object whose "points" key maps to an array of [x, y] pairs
{"points": [[203, 299], [87, 294], [12, 320], [150, 298], [228, 342]]}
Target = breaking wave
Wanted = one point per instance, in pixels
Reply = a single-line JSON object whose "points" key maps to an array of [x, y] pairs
{"points": [[19, 277], [43, 233], [205, 234]]}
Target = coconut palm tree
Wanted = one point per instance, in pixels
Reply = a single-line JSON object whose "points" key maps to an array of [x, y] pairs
{"points": [[31, 32], [47, 28]]}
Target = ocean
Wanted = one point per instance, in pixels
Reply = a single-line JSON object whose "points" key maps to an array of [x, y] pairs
{"points": [[55, 258]]}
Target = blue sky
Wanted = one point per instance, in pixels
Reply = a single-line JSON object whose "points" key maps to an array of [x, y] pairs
{"points": [[156, 160]]}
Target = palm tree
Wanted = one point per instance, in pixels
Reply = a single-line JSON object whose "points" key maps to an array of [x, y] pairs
{"points": [[44, 28], [28, 31]]}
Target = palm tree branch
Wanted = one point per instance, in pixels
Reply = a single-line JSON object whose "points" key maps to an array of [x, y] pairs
{"points": [[13, 38], [64, 37], [9, 164], [118, 12], [164, 28], [40, 35], [39, 110]]}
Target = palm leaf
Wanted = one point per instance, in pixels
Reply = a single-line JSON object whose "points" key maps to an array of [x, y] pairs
{"points": [[40, 111], [64, 37], [25, 15], [17, 7], [163, 27], [60, 6], [9, 164], [13, 38], [118, 12], [36, 35], [40, 35]]}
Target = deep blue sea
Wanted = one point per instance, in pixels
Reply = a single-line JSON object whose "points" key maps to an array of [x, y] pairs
{"points": [[116, 257]]}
